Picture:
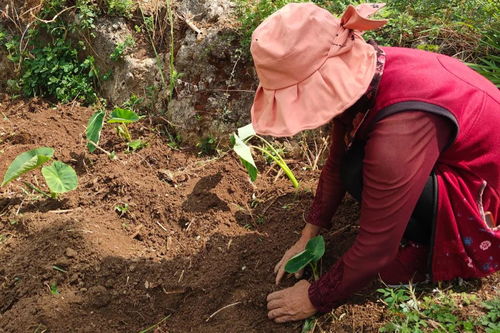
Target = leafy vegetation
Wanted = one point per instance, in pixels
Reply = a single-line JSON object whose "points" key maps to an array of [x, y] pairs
{"points": [[464, 29], [50, 65], [122, 48], [244, 151], [120, 8], [440, 312], [60, 177]]}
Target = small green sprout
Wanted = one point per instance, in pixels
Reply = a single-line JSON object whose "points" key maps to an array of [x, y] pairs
{"points": [[135, 145], [244, 151], [60, 177], [53, 289], [121, 48], [122, 209]]}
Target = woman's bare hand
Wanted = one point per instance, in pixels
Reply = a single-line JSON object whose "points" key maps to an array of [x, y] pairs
{"points": [[309, 232]]}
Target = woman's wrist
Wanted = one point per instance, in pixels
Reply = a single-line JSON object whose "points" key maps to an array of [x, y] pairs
{"points": [[310, 231]]}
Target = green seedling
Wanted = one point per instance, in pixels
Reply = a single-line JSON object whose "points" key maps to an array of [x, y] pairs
{"points": [[94, 128], [119, 116], [60, 177], [121, 48], [122, 209], [122, 117], [136, 145], [54, 290], [315, 248], [243, 149]]}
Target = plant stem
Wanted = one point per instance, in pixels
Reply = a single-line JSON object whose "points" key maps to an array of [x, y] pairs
{"points": [[158, 60], [126, 132], [36, 189], [173, 72], [280, 162]]}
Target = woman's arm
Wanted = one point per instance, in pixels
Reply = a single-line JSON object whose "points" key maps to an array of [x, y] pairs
{"points": [[330, 190], [400, 153]]}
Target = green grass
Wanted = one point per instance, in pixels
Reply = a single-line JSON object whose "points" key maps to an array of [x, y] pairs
{"points": [[441, 311]]}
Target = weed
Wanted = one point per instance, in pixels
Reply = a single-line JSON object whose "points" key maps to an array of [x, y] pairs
{"points": [[3, 238], [207, 146], [489, 64], [133, 102], [452, 27], [439, 312], [491, 320], [121, 48], [53, 289], [122, 8], [59, 269], [244, 151], [135, 145], [55, 70], [60, 177], [122, 209], [49, 65], [174, 75]]}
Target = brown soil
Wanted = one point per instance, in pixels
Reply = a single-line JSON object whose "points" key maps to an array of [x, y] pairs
{"points": [[197, 237]]}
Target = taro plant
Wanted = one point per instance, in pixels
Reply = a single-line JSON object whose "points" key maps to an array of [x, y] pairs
{"points": [[122, 117], [60, 177], [314, 250], [243, 148], [119, 116]]}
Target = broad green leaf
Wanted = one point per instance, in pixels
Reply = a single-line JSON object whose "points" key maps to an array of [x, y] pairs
{"points": [[94, 127], [123, 116], [27, 161], [246, 132], [245, 155], [314, 250], [316, 246], [60, 177], [299, 261]]}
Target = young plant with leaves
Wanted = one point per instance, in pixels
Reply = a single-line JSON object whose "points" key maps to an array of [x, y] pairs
{"points": [[314, 250], [243, 149], [120, 117], [60, 177]]}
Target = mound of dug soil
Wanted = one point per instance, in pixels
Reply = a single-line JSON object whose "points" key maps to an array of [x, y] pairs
{"points": [[191, 250]]}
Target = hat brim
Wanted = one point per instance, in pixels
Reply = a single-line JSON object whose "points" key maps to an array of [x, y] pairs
{"points": [[313, 102]]}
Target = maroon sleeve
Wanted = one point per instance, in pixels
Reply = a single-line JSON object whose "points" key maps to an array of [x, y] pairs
{"points": [[400, 153], [330, 190]]}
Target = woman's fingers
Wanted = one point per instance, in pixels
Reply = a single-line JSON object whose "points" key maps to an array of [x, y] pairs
{"points": [[275, 296], [298, 275], [274, 304], [278, 265], [283, 319], [276, 313]]}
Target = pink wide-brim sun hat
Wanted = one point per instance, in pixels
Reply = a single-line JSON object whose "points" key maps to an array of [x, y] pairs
{"points": [[311, 66]]}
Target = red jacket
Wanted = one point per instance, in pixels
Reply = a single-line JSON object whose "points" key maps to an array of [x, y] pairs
{"points": [[468, 171]]}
